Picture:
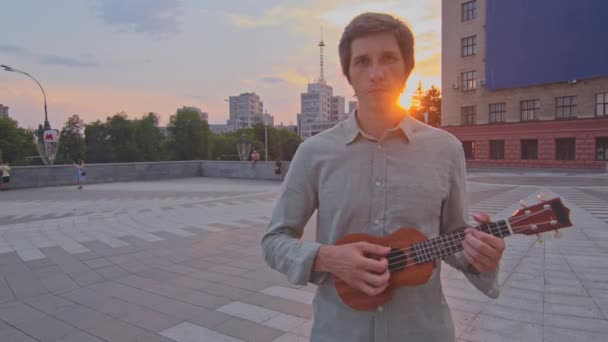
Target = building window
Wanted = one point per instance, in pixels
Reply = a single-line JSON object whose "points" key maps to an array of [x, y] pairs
{"points": [[565, 107], [497, 112], [469, 149], [564, 149], [468, 115], [469, 46], [497, 149], [469, 10], [601, 148], [529, 110], [529, 149], [601, 104], [467, 80]]}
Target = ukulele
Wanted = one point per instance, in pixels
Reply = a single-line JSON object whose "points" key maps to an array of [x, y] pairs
{"points": [[413, 256]]}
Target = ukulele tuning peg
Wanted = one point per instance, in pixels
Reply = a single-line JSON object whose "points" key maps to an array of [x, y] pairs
{"points": [[558, 234], [539, 238], [523, 203]]}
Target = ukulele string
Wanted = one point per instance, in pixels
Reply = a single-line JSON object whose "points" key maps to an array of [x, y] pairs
{"points": [[431, 249], [520, 228]]}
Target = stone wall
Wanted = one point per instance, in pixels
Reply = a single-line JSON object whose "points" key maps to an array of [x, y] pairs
{"points": [[243, 170], [57, 175]]}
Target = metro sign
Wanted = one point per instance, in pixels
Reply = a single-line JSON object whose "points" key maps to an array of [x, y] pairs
{"points": [[51, 136]]}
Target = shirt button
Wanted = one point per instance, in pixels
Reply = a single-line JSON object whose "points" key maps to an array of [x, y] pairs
{"points": [[380, 308], [377, 221], [378, 183]]}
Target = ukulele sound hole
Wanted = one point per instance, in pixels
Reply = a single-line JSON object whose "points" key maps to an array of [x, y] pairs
{"points": [[397, 260]]}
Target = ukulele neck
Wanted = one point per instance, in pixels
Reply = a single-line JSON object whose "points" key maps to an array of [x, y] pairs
{"points": [[444, 245]]}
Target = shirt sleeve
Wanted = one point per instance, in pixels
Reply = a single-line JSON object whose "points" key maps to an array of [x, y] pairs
{"points": [[454, 213], [282, 246]]}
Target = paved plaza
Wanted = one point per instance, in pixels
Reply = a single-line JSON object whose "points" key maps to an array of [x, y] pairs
{"points": [[180, 260]]}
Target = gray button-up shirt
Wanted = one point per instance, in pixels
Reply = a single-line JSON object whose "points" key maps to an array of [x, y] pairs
{"points": [[413, 176]]}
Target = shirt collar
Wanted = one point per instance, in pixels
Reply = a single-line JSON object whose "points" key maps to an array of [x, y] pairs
{"points": [[353, 130]]}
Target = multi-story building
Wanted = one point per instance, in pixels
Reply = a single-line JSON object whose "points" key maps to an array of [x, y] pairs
{"points": [[219, 129], [3, 111], [525, 83], [243, 110], [352, 105], [319, 108], [265, 119]]}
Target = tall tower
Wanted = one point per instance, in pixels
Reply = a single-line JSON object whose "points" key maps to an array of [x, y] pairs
{"points": [[321, 45]]}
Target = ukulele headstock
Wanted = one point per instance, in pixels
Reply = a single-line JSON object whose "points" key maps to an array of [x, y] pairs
{"points": [[542, 217]]}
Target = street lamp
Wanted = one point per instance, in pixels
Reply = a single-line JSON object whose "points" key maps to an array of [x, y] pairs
{"points": [[47, 125], [243, 146], [47, 139]]}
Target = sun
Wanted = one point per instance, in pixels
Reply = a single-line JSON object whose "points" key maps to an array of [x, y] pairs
{"points": [[405, 100]]}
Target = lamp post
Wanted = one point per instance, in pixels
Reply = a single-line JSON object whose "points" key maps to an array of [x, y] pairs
{"points": [[265, 138], [47, 125], [243, 146], [47, 139]]}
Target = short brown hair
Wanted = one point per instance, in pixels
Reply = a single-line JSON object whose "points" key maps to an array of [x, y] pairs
{"points": [[370, 23]]}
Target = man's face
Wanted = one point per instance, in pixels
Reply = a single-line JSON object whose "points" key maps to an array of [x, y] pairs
{"points": [[377, 72]]}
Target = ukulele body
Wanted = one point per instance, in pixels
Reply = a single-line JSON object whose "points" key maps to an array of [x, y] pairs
{"points": [[410, 276]]}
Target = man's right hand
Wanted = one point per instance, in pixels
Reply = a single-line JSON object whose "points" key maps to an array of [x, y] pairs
{"points": [[361, 265]]}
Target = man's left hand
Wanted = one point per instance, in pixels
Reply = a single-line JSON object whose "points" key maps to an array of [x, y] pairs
{"points": [[482, 250]]}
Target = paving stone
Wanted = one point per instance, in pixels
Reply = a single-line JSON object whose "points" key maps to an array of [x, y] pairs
{"points": [[188, 332]]}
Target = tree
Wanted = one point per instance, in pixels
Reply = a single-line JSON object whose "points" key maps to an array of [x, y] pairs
{"points": [[189, 138], [416, 109], [97, 141], [431, 103], [121, 133], [71, 141], [148, 139], [16, 143]]}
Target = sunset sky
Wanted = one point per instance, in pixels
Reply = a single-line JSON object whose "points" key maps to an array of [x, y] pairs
{"points": [[99, 57]]}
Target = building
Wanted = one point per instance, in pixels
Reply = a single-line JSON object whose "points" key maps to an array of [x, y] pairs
{"points": [[352, 105], [525, 83], [264, 119], [243, 109], [219, 129], [164, 131], [319, 108], [3, 111]]}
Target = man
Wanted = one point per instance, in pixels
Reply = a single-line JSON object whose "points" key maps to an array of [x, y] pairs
{"points": [[374, 173]]}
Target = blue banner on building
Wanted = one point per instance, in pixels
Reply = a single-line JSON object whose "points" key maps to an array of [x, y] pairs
{"points": [[531, 42]]}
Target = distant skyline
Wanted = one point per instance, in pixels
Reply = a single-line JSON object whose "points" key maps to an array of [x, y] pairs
{"points": [[99, 57]]}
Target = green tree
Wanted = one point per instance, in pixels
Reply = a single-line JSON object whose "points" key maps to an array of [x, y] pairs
{"points": [[416, 109], [148, 139], [16, 143], [97, 141], [431, 103], [189, 139], [222, 146], [71, 141], [121, 133]]}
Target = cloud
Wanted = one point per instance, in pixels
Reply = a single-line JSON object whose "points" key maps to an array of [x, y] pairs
{"points": [[429, 66], [272, 80], [67, 61], [158, 18], [296, 14], [13, 50], [288, 76], [48, 58]]}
